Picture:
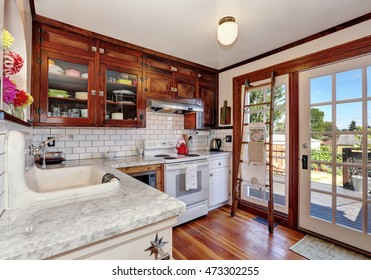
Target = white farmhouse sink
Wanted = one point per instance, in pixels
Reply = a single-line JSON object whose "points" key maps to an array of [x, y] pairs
{"points": [[28, 184]]}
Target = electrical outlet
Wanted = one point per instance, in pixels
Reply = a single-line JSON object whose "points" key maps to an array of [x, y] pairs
{"points": [[52, 143], [228, 138]]}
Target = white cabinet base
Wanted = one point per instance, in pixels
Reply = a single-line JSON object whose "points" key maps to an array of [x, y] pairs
{"points": [[218, 182], [126, 246]]}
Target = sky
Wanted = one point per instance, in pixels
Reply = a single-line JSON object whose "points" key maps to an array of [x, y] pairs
{"points": [[348, 88]]}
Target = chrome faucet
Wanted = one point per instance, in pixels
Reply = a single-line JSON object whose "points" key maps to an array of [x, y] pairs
{"points": [[43, 146]]}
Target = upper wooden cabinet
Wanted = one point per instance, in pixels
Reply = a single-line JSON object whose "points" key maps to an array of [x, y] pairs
{"points": [[80, 78], [120, 55], [78, 81], [54, 39], [208, 97], [170, 80]]}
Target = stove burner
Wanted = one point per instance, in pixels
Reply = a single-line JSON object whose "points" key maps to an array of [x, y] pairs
{"points": [[170, 157], [192, 155], [161, 156]]}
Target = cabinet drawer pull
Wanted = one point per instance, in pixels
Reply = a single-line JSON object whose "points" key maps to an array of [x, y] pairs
{"points": [[93, 92], [93, 48], [173, 68], [101, 50]]}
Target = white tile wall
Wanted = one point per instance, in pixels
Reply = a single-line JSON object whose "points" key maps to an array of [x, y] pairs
{"points": [[91, 142]]}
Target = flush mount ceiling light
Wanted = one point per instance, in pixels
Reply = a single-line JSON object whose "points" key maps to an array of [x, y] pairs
{"points": [[227, 30]]}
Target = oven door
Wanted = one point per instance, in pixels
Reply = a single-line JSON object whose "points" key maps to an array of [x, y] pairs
{"points": [[175, 184]]}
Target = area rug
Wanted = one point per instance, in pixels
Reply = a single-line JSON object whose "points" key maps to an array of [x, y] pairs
{"points": [[263, 221], [314, 248]]}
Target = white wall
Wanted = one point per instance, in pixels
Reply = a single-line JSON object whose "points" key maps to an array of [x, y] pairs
{"points": [[334, 39]]}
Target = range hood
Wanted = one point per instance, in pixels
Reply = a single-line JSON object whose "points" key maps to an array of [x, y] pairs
{"points": [[165, 106]]}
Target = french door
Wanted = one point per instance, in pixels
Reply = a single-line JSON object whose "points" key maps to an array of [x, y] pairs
{"points": [[335, 150]]}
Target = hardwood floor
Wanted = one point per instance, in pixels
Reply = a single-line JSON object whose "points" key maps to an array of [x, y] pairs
{"points": [[218, 236]]}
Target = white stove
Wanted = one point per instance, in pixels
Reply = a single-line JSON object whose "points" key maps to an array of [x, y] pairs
{"points": [[178, 169], [166, 149]]}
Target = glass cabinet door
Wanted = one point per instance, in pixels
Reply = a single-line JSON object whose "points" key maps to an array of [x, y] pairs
{"points": [[122, 94], [67, 88]]}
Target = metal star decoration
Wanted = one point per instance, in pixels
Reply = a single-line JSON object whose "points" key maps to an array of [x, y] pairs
{"points": [[156, 247]]}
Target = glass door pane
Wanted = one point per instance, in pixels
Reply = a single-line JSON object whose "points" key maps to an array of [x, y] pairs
{"points": [[121, 95], [67, 89]]}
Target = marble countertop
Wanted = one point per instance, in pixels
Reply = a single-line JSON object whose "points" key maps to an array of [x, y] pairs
{"points": [[51, 228]]}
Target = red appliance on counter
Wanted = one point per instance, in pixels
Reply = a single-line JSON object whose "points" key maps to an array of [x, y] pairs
{"points": [[181, 147]]}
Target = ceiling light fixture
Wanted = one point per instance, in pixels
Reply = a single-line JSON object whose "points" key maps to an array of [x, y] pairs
{"points": [[227, 30]]}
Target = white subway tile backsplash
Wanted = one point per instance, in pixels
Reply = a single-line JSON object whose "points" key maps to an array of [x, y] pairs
{"points": [[91, 142], [109, 143], [86, 156], [92, 149], [104, 137], [92, 137], [71, 144], [86, 131], [85, 143], [72, 156], [57, 131], [98, 131], [98, 143], [115, 137], [72, 131]]}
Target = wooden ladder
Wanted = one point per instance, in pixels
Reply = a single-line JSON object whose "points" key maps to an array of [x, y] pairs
{"points": [[263, 107]]}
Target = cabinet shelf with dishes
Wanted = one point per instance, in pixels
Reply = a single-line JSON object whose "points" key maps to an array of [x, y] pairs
{"points": [[78, 64], [67, 99]]}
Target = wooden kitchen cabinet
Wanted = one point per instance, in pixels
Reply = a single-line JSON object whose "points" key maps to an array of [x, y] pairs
{"points": [[208, 96], [79, 81], [158, 168], [169, 80], [51, 38]]}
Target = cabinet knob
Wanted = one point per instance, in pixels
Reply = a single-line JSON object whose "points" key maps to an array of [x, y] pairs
{"points": [[101, 93], [93, 92], [211, 174], [219, 163]]}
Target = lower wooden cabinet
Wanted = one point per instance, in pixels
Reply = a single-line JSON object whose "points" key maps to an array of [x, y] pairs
{"points": [[144, 170]]}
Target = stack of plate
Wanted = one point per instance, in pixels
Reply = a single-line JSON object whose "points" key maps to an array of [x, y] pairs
{"points": [[81, 95], [53, 68], [58, 93], [117, 116]]}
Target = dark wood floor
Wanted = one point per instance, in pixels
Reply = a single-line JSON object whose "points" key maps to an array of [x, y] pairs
{"points": [[218, 236]]}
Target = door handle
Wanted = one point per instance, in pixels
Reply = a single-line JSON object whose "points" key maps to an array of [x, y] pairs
{"points": [[304, 161]]}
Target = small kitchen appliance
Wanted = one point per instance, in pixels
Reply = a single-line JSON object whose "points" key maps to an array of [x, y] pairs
{"points": [[215, 144]]}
